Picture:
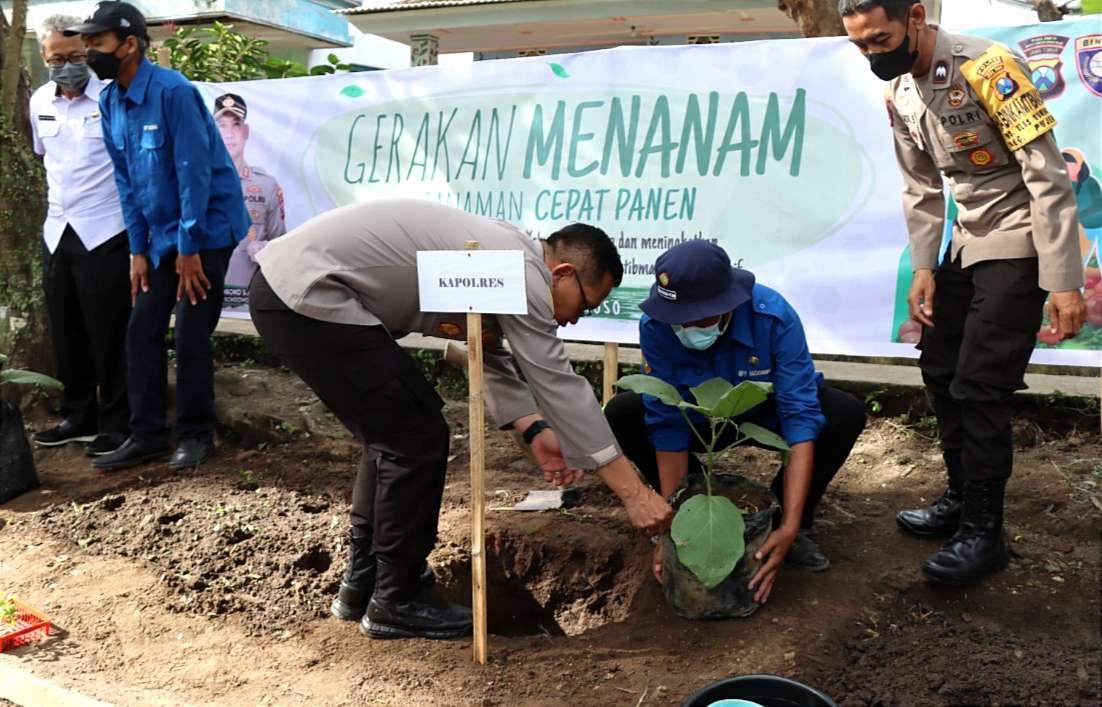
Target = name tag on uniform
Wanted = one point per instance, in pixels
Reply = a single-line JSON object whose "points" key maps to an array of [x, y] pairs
{"points": [[47, 117], [151, 128]]}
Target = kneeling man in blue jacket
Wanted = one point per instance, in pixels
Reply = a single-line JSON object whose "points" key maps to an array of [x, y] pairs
{"points": [[706, 319]]}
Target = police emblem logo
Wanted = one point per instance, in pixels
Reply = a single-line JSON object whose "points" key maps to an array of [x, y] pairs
{"points": [[966, 138], [1042, 53], [753, 361], [254, 189], [941, 74], [1006, 87], [1088, 60], [956, 95], [981, 157], [663, 279]]}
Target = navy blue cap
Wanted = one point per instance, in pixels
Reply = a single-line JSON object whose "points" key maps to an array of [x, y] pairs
{"points": [[119, 16], [694, 280]]}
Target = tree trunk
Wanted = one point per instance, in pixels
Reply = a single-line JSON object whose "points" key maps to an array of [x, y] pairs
{"points": [[11, 74], [22, 208], [815, 18]]}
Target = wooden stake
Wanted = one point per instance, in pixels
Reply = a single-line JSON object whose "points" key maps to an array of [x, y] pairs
{"points": [[478, 480], [611, 370]]}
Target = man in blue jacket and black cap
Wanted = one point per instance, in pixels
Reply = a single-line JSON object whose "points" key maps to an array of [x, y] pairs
{"points": [[706, 319]]}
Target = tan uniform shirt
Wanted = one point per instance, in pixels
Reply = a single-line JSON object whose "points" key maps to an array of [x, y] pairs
{"points": [[1014, 200], [358, 265]]}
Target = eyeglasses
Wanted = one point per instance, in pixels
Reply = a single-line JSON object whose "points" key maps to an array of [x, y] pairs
{"points": [[57, 61], [586, 307]]}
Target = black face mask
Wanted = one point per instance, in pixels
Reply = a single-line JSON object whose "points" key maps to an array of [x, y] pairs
{"points": [[886, 65], [106, 65]]}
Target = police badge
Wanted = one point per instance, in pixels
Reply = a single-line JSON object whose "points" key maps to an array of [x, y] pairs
{"points": [[1088, 59], [1042, 53]]}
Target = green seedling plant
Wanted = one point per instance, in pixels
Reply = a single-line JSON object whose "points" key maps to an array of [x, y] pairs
{"points": [[9, 612], [708, 529]]}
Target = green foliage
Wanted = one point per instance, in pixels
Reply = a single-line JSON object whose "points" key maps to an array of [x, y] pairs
{"points": [[9, 612], [17, 377], [707, 529], [219, 53], [708, 532]]}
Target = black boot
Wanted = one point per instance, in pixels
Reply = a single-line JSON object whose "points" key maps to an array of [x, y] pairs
{"points": [[404, 606], [358, 582], [978, 549], [359, 578], [942, 517]]}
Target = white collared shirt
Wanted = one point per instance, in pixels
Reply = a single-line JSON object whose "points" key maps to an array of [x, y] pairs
{"points": [[79, 172]]}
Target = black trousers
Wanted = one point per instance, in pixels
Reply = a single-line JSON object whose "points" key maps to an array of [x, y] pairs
{"points": [[845, 416], [147, 352], [380, 395], [974, 357], [88, 303]]}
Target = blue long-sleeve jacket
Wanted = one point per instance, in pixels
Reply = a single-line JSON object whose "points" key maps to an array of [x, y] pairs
{"points": [[177, 184], [764, 342]]}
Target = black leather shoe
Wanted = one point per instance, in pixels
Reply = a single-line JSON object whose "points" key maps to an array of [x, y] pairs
{"points": [[939, 519], [426, 616], [942, 517], [104, 444], [978, 549], [191, 452], [132, 453], [64, 433]]}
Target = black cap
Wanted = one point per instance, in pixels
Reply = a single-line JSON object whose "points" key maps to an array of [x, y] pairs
{"points": [[118, 16], [694, 281], [230, 103]]}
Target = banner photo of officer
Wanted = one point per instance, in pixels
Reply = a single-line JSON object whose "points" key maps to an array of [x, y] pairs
{"points": [[780, 152], [263, 198]]}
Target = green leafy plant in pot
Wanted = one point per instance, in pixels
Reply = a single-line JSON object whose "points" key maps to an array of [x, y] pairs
{"points": [[711, 536], [17, 473]]}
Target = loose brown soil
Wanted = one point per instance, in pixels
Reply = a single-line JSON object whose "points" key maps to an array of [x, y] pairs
{"points": [[212, 586]]}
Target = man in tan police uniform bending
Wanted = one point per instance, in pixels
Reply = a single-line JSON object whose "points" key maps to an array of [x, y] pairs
{"points": [[330, 299]]}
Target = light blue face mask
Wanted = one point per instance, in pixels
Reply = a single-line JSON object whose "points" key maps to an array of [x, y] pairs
{"points": [[699, 338]]}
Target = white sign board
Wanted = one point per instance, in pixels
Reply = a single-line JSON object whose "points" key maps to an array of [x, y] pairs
{"points": [[483, 281]]}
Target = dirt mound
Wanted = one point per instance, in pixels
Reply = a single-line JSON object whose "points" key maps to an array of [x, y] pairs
{"points": [[919, 655], [267, 554]]}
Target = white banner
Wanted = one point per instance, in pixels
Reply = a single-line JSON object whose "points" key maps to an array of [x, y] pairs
{"points": [[779, 150]]}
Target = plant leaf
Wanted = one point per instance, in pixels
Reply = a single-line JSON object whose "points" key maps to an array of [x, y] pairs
{"points": [[352, 91], [763, 436], [559, 71], [709, 393], [742, 398], [708, 534], [3, 359], [655, 387], [29, 378]]}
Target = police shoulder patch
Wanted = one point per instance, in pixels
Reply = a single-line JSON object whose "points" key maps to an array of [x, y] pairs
{"points": [[1009, 96]]}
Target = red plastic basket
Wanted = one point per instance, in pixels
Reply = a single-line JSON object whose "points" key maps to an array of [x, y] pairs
{"points": [[30, 625]]}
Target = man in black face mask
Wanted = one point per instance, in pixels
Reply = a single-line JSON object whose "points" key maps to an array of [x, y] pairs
{"points": [[87, 267], [181, 199], [963, 108]]}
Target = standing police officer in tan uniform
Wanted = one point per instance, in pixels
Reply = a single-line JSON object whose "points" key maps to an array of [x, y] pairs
{"points": [[263, 198], [963, 108]]}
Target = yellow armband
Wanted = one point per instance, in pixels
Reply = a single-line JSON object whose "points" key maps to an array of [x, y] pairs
{"points": [[1009, 96]]}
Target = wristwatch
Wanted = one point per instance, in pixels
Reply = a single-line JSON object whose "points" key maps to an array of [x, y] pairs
{"points": [[534, 429]]}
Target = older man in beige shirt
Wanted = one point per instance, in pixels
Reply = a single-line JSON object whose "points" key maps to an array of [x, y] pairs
{"points": [[330, 299]]}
